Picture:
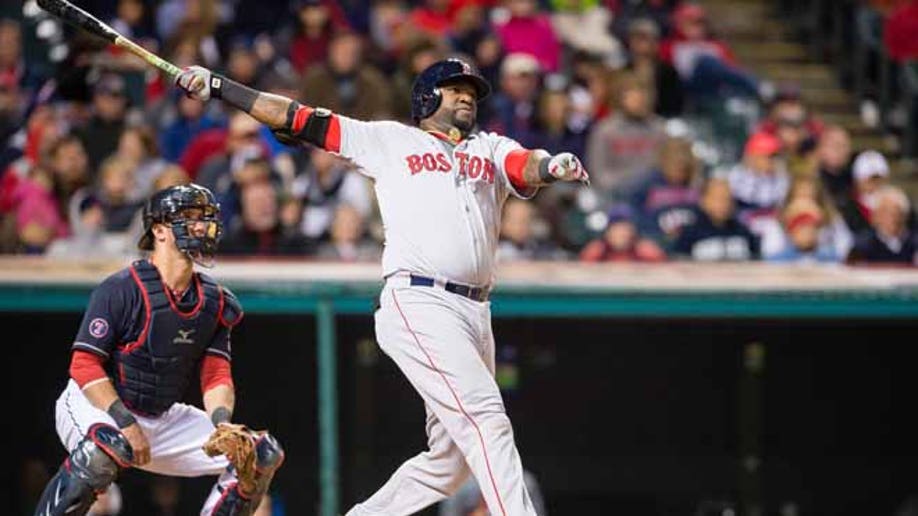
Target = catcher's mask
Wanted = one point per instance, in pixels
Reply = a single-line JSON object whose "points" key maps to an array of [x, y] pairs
{"points": [[183, 208]]}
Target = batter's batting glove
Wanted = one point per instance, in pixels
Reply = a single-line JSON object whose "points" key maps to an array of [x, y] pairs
{"points": [[195, 80], [567, 167]]}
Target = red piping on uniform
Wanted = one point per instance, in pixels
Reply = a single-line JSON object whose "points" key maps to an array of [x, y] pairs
{"points": [[222, 498], [220, 312], [194, 311], [484, 451], [104, 447], [146, 324]]}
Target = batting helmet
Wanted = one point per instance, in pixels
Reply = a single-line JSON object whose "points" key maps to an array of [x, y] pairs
{"points": [[425, 93], [168, 206]]}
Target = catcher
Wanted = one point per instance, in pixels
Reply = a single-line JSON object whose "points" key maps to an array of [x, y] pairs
{"points": [[146, 331]]}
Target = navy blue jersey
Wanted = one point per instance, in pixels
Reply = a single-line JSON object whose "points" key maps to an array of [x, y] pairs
{"points": [[116, 315], [152, 342], [705, 241]]}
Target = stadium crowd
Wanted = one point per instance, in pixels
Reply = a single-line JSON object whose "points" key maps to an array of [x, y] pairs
{"points": [[691, 156]]}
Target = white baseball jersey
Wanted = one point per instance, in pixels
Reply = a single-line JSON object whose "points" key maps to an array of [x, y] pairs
{"points": [[440, 203]]}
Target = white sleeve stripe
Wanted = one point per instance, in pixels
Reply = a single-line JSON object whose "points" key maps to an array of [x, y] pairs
{"points": [[90, 347], [97, 380], [219, 352]]}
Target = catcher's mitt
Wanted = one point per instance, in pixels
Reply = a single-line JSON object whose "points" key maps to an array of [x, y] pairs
{"points": [[237, 442]]}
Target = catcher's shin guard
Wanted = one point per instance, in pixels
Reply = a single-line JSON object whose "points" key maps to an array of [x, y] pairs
{"points": [[234, 501], [91, 467]]}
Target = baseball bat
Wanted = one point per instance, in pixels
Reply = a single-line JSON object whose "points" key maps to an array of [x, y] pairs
{"points": [[79, 18]]}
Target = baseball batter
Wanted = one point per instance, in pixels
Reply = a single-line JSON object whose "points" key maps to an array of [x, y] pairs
{"points": [[146, 333], [440, 189]]}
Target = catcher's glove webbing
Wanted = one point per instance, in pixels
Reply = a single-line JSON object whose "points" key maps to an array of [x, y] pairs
{"points": [[237, 442]]}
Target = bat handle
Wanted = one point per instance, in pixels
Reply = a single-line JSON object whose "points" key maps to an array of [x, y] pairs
{"points": [[148, 56]]}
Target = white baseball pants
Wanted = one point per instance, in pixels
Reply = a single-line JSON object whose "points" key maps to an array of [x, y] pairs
{"points": [[444, 345], [175, 438]]}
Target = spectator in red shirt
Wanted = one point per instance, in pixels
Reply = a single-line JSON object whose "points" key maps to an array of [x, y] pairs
{"points": [[317, 20], [899, 32], [705, 63], [620, 242]]}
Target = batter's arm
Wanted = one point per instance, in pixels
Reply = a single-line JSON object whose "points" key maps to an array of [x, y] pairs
{"points": [[536, 168], [292, 122]]}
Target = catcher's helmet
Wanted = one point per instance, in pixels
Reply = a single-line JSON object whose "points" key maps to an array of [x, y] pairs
{"points": [[168, 206], [425, 93]]}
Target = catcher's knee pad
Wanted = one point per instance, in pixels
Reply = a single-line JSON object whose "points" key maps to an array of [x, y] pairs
{"points": [[92, 466], [268, 453]]}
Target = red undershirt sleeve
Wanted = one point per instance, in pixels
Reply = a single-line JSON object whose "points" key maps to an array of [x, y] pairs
{"points": [[215, 370], [514, 164], [86, 367]]}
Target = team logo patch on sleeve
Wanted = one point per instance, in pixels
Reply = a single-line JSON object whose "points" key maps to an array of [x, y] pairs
{"points": [[98, 327]]}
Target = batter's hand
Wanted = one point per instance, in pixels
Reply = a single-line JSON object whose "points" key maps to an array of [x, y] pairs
{"points": [[567, 167], [195, 80], [139, 443]]}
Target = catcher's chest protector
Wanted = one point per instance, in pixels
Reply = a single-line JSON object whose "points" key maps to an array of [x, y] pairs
{"points": [[153, 372]]}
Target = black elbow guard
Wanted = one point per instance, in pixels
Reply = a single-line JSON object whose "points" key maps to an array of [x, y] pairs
{"points": [[313, 131]]}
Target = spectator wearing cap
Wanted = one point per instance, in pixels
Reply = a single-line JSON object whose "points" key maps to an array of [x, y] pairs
{"points": [[315, 24], [706, 65], [716, 235], [526, 29], [644, 61], [889, 240], [803, 221], [787, 104], [870, 172], [759, 183], [621, 242], [109, 109], [513, 108], [833, 234], [622, 148], [798, 130], [346, 84], [665, 202]]}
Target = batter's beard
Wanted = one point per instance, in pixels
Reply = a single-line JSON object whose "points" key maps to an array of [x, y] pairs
{"points": [[464, 126]]}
